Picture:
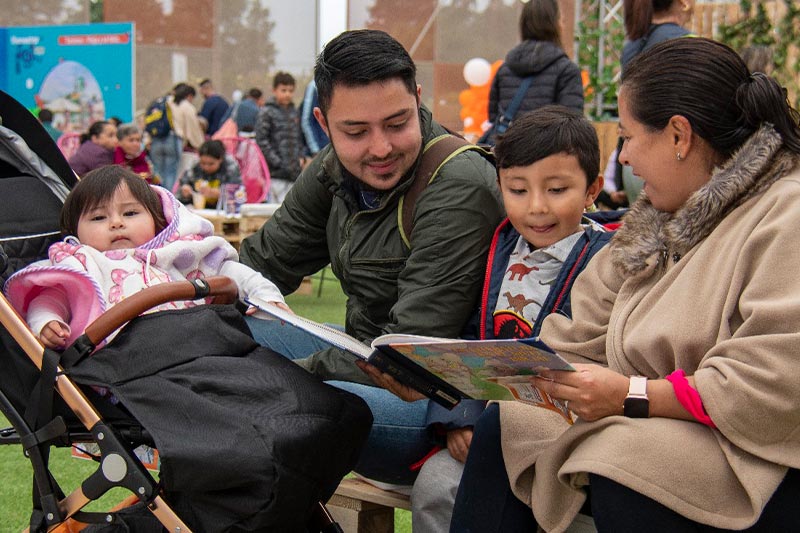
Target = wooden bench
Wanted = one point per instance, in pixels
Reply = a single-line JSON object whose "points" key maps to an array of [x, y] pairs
{"points": [[359, 507], [363, 508]]}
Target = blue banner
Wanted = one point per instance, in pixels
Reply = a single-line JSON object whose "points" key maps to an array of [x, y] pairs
{"points": [[82, 73]]}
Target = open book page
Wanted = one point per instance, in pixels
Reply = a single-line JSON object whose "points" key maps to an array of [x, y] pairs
{"points": [[522, 390], [402, 369], [332, 336], [485, 370], [445, 370]]}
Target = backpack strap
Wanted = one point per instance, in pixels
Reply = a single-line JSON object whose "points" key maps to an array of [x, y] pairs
{"points": [[436, 153], [513, 107]]}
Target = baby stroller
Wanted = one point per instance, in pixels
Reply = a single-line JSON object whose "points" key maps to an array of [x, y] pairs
{"points": [[247, 442]]}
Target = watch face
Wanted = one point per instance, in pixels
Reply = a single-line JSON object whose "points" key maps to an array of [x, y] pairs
{"points": [[636, 407]]}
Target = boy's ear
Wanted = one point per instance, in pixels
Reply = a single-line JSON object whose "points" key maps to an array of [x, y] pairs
{"points": [[594, 191]]}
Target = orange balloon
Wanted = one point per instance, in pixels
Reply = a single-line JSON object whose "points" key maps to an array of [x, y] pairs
{"points": [[475, 104]]}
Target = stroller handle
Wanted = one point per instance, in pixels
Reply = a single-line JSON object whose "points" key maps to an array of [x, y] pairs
{"points": [[221, 288]]}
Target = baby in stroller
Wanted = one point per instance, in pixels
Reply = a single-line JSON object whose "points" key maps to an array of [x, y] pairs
{"points": [[248, 441], [124, 244]]}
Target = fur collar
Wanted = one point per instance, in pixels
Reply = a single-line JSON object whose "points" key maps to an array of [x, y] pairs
{"points": [[646, 231]]}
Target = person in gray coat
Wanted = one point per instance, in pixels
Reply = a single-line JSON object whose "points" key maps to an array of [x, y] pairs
{"points": [[556, 79]]}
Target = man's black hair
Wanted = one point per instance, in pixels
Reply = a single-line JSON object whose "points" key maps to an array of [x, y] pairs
{"points": [[360, 57]]}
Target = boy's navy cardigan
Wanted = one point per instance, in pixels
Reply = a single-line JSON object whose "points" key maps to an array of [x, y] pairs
{"points": [[481, 326]]}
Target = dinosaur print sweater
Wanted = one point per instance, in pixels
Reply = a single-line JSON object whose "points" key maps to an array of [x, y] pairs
{"points": [[527, 280]]}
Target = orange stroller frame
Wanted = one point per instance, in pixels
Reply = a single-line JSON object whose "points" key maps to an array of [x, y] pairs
{"points": [[118, 466], [76, 419]]}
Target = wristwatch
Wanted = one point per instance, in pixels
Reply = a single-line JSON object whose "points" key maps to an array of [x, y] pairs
{"points": [[637, 405]]}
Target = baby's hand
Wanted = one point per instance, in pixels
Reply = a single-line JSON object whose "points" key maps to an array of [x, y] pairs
{"points": [[54, 335], [253, 309]]}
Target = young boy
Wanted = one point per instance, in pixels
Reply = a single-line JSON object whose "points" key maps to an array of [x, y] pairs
{"points": [[280, 138], [548, 165]]}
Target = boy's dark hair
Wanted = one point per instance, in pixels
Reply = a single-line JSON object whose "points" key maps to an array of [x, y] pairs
{"points": [[99, 186], [283, 78], [45, 115], [205, 82], [255, 93], [547, 131], [213, 149], [360, 57]]}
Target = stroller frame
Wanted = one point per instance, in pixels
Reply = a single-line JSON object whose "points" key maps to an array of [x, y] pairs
{"points": [[27, 150], [118, 466]]}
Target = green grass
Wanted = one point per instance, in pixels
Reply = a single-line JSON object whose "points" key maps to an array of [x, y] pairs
{"points": [[15, 470]]}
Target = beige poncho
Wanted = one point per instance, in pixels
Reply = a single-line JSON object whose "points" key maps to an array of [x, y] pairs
{"points": [[713, 289]]}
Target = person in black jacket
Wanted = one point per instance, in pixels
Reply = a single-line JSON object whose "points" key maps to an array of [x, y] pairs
{"points": [[280, 138], [556, 79]]}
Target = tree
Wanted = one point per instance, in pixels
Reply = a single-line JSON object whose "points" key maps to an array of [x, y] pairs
{"points": [[40, 12], [243, 39]]}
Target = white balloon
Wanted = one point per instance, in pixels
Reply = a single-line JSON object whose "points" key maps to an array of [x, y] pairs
{"points": [[477, 71]]}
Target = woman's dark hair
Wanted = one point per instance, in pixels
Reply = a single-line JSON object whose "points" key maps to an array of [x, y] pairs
{"points": [[707, 83], [95, 129], [182, 91], [639, 15], [539, 22], [213, 149], [547, 131], [99, 186], [360, 57]]}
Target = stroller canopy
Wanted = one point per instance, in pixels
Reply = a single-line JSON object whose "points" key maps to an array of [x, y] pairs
{"points": [[34, 181]]}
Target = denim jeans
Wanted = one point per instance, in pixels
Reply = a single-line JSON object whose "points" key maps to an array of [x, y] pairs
{"points": [[399, 437], [165, 153]]}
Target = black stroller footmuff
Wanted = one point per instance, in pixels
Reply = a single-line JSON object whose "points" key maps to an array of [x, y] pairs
{"points": [[248, 440]]}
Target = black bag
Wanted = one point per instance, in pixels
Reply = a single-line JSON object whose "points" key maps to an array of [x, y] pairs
{"points": [[248, 440], [504, 119]]}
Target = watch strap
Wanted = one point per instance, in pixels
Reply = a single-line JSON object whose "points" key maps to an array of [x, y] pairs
{"points": [[638, 386], [637, 405]]}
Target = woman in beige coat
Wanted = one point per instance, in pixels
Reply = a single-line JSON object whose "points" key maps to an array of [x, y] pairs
{"points": [[702, 279]]}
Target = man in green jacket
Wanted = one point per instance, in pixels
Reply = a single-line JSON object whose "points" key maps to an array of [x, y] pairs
{"points": [[344, 210]]}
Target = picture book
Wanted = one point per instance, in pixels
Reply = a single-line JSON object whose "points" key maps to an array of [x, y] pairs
{"points": [[446, 370]]}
